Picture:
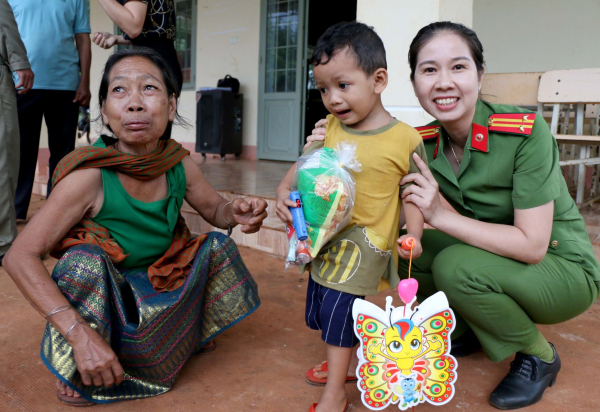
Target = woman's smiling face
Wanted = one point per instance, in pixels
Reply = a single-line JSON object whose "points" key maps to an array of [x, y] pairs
{"points": [[137, 106], [446, 81]]}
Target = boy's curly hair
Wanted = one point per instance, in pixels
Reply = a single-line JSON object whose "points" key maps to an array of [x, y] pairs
{"points": [[360, 39]]}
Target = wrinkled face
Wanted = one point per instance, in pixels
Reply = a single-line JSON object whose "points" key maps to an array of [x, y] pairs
{"points": [[347, 92], [408, 347], [408, 384], [446, 80], [137, 106]]}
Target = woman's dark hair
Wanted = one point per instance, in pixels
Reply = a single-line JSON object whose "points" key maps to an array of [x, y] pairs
{"points": [[359, 38], [431, 30], [154, 57]]}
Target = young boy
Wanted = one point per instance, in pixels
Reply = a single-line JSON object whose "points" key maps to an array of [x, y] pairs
{"points": [[350, 72]]}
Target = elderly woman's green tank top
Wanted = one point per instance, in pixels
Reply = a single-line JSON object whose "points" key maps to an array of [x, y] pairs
{"points": [[144, 230]]}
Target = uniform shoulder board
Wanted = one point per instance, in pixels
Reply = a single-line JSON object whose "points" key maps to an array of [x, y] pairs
{"points": [[428, 132], [515, 123]]}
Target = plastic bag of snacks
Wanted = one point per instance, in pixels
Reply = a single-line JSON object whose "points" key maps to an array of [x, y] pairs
{"points": [[324, 188]]}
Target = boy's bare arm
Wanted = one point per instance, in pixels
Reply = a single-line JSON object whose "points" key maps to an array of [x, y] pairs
{"points": [[282, 196], [414, 229]]}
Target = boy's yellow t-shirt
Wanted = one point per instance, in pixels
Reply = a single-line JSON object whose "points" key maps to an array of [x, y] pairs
{"points": [[362, 259]]}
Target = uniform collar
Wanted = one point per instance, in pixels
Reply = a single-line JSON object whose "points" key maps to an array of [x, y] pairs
{"points": [[478, 140], [478, 135]]}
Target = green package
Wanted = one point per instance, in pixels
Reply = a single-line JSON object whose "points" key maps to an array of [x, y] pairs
{"points": [[324, 197]]}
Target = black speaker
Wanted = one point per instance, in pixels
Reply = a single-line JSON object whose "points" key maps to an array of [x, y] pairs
{"points": [[219, 117]]}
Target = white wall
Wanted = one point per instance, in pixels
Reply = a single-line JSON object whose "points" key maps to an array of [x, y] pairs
{"points": [[228, 43], [538, 35], [397, 23]]}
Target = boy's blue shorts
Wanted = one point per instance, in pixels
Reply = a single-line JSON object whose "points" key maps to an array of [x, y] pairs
{"points": [[330, 311]]}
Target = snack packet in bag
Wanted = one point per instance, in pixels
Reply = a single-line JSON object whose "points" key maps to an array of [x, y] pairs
{"points": [[326, 187]]}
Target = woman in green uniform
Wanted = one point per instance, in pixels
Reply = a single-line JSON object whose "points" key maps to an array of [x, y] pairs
{"points": [[510, 248]]}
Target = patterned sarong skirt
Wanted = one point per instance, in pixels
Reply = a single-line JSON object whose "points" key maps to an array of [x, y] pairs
{"points": [[153, 334]]}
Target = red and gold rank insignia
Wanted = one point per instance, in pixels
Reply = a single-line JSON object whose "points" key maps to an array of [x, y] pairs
{"points": [[428, 132], [516, 123]]}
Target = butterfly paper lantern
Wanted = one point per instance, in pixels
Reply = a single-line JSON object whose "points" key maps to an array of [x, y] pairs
{"points": [[404, 355]]}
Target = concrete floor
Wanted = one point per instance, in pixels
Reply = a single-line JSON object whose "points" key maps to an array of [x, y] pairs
{"points": [[259, 365]]}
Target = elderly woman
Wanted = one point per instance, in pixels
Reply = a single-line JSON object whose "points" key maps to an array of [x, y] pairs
{"points": [[133, 295], [511, 249]]}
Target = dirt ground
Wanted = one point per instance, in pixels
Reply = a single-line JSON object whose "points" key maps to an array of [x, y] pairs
{"points": [[259, 364]]}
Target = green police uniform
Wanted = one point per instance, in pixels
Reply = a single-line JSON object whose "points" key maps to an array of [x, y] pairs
{"points": [[510, 162]]}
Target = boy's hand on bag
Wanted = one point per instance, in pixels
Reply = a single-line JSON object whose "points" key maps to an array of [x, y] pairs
{"points": [[417, 248], [283, 203]]}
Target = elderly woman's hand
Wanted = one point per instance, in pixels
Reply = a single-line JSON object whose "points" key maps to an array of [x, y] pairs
{"points": [[424, 193], [249, 212], [318, 133], [96, 362]]}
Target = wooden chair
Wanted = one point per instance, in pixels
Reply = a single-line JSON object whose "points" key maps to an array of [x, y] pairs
{"points": [[577, 89]]}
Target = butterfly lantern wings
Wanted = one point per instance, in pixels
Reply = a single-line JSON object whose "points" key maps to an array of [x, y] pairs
{"points": [[431, 374]]}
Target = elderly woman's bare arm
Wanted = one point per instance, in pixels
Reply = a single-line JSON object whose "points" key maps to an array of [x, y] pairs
{"points": [[70, 200], [78, 193], [218, 211]]}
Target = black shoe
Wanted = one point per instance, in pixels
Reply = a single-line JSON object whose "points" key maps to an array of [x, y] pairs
{"points": [[465, 344], [526, 382]]}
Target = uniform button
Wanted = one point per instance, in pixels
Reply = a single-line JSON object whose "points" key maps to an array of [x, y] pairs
{"points": [[554, 243], [436, 130], [490, 121]]}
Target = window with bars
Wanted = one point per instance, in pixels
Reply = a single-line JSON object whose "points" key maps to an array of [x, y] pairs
{"points": [[282, 46]]}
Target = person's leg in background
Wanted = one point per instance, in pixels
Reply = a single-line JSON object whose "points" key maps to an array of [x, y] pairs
{"points": [[9, 159], [29, 106], [61, 115]]}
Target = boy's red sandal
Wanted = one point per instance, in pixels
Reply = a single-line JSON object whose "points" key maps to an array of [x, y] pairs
{"points": [[313, 408], [313, 380]]}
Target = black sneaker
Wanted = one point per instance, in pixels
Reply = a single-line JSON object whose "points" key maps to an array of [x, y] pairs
{"points": [[465, 344], [526, 382]]}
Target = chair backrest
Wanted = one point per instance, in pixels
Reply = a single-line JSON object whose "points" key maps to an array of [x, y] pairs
{"points": [[570, 86], [518, 89], [579, 153]]}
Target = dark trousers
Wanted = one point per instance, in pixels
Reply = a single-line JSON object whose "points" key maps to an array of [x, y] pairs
{"points": [[60, 113]]}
